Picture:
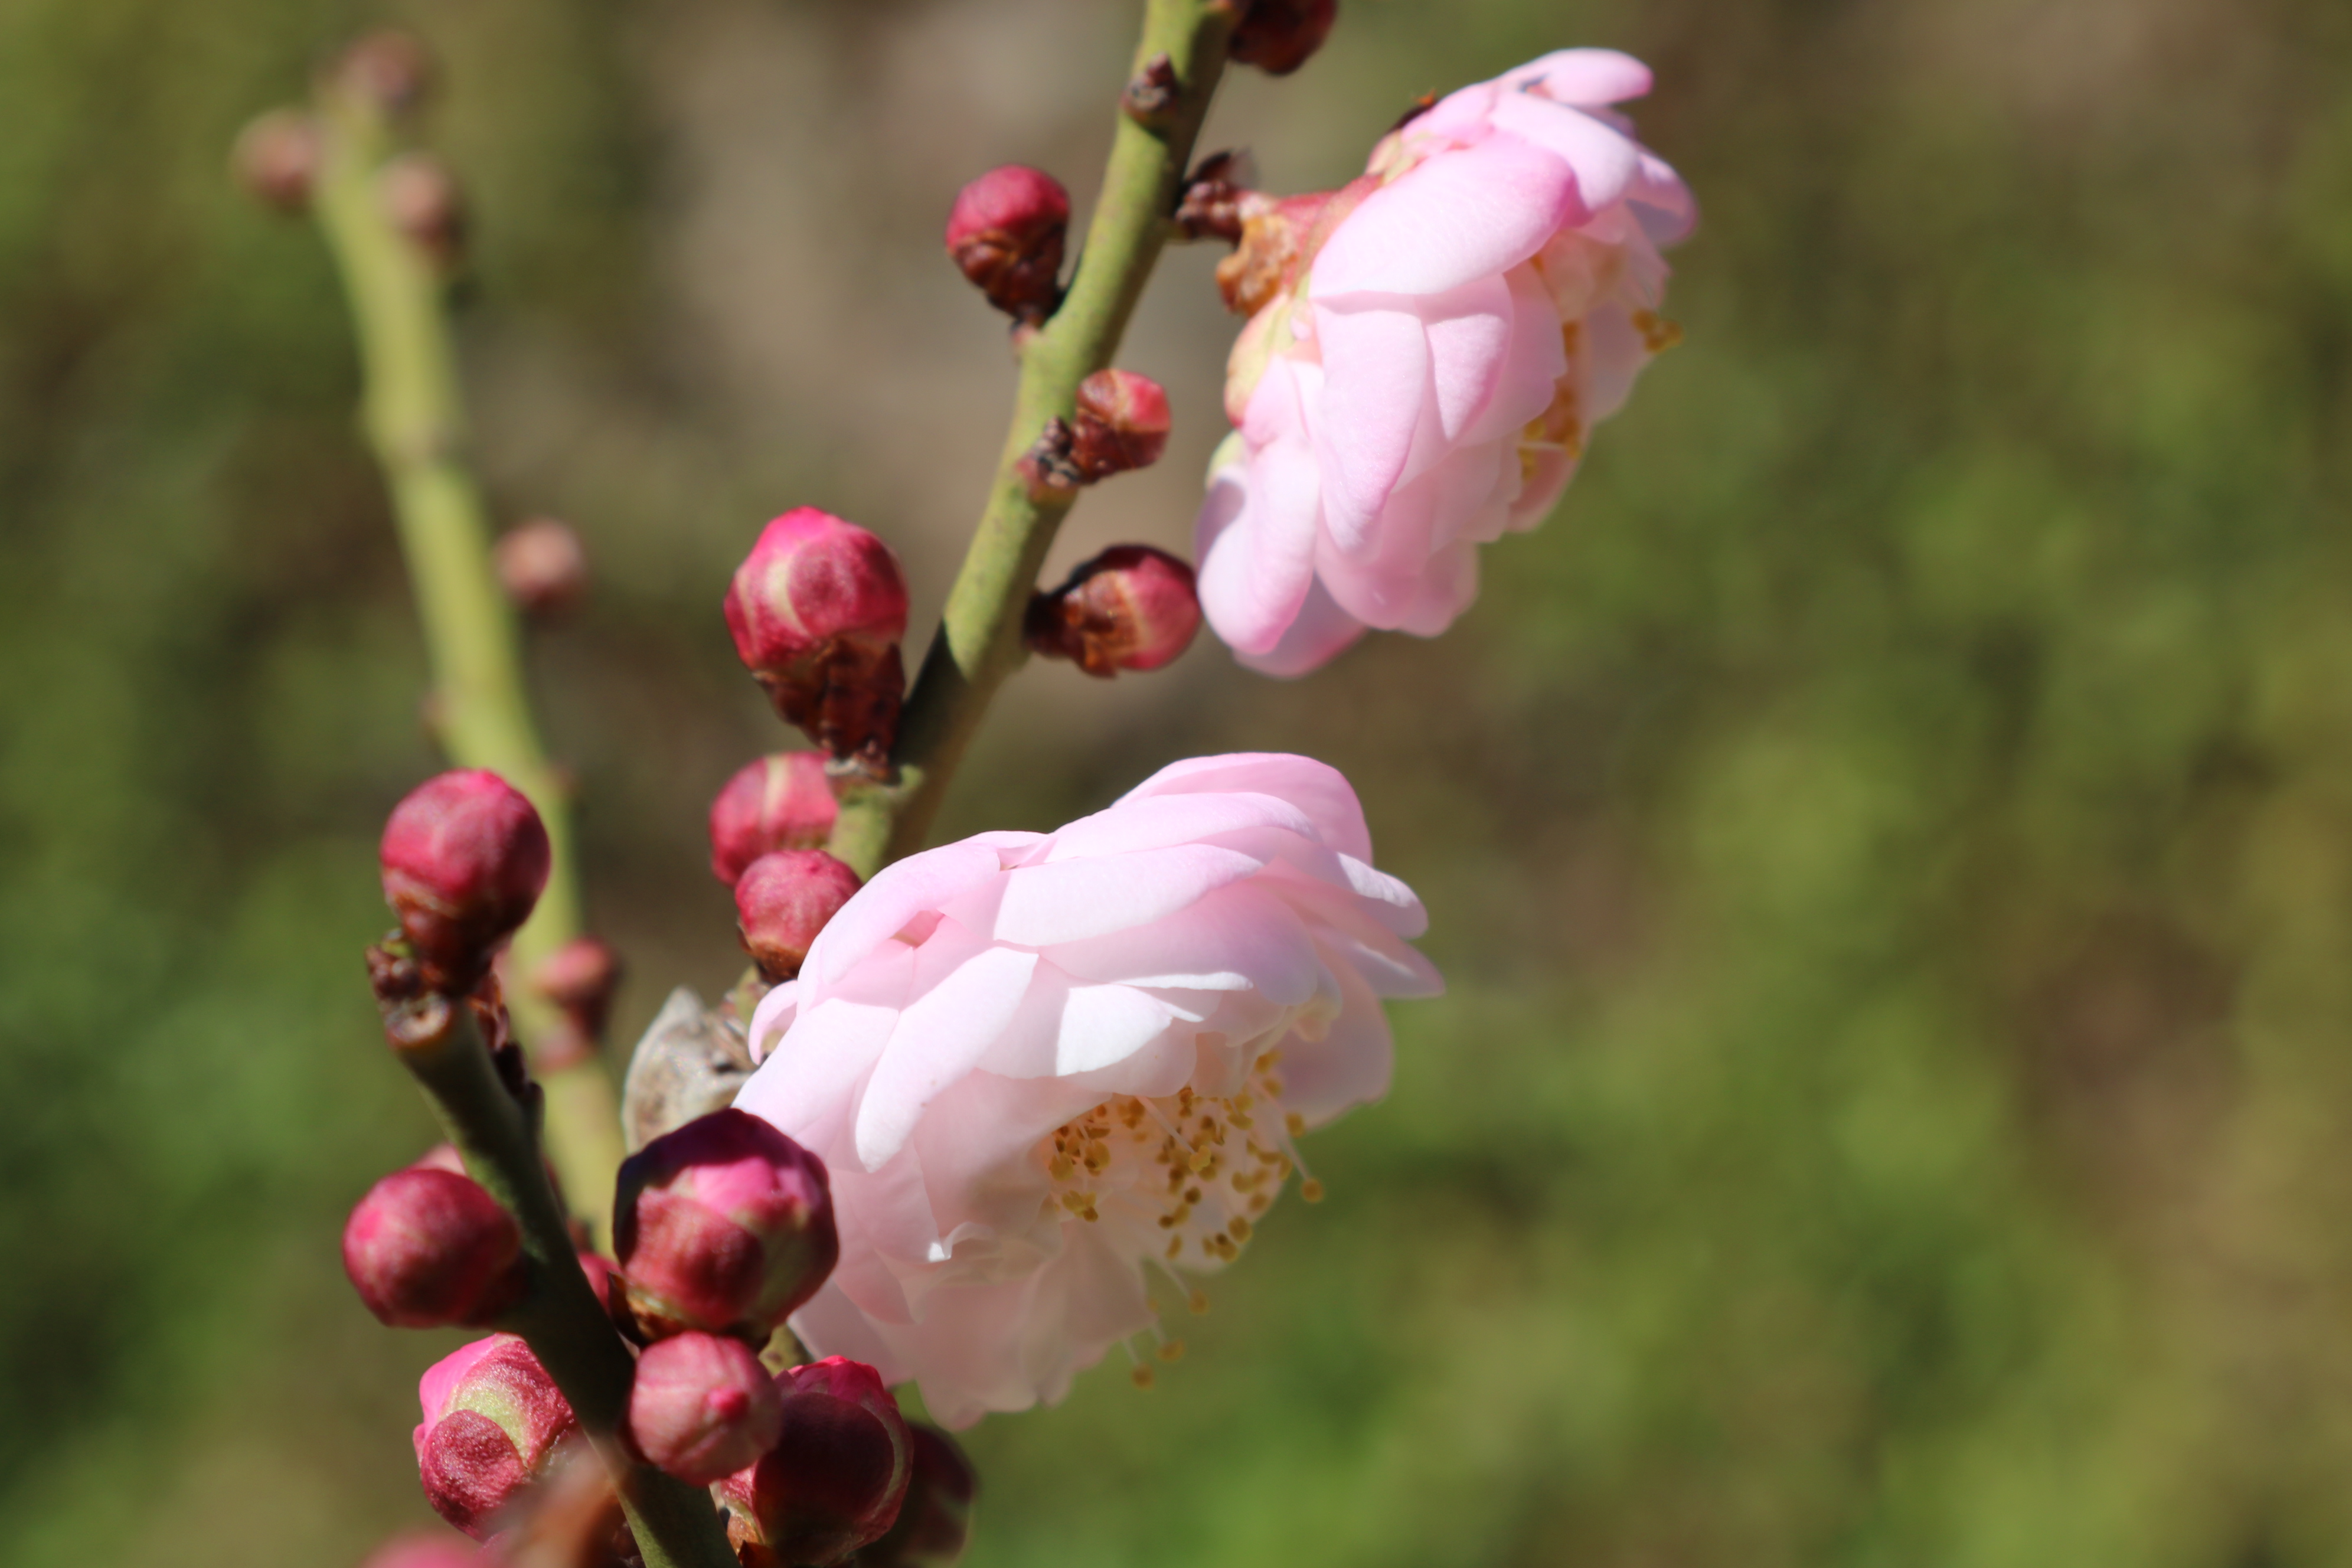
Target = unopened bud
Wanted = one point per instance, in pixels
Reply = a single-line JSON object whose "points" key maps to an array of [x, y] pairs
{"points": [[1121, 424], [493, 1422], [780, 802], [1279, 36], [781, 902], [424, 1551], [1006, 233], [541, 566], [388, 70], [834, 1477], [816, 611], [420, 197], [465, 857], [703, 1407], [1152, 91], [427, 1249], [580, 978], [724, 1226], [1131, 607], [935, 1521], [277, 158]]}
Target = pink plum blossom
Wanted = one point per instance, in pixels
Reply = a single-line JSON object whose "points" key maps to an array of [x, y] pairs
{"points": [[1428, 349], [1034, 1063]]}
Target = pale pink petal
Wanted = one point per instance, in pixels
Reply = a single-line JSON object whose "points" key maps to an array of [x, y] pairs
{"points": [[1605, 160], [1157, 822], [1376, 364], [1456, 218], [1349, 1066], [896, 895], [804, 1087], [1235, 939], [1255, 537], [938, 1038], [1319, 789], [1072, 899], [1581, 75], [1321, 632]]}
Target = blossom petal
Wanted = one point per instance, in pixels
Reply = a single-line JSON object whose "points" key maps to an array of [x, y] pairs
{"points": [[938, 1038], [1581, 75], [1460, 216], [1319, 789], [1072, 899]]}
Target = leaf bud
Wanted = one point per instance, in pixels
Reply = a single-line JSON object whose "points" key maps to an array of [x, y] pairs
{"points": [[541, 566], [429, 1248], [724, 1226], [1130, 608], [1121, 424], [464, 858], [935, 1521], [1279, 36], [703, 1407], [421, 200], [836, 1477], [816, 611], [1007, 232], [782, 901], [277, 158], [780, 802], [493, 1423]]}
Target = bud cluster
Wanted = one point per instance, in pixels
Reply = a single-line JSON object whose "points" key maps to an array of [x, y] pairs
{"points": [[1130, 608], [817, 610]]}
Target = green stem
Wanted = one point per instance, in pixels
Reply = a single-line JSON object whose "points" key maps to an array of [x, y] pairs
{"points": [[675, 1525], [414, 412], [979, 640]]}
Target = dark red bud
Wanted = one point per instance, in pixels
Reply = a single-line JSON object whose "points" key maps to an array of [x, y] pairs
{"points": [[724, 1226], [781, 902], [421, 198], [1007, 232], [541, 566], [782, 802], [427, 1249], [935, 1521], [276, 158], [1121, 423], [493, 1424], [464, 858], [1131, 607], [702, 1408], [388, 70], [816, 611], [835, 1478], [580, 978], [1279, 36]]}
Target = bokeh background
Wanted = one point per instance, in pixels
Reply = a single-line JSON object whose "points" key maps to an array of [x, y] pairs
{"points": [[1890, 835]]}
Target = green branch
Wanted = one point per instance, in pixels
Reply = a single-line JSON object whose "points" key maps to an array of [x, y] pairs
{"points": [[414, 413], [979, 640]]}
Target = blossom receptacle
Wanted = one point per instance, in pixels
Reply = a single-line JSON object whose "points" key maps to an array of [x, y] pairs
{"points": [[277, 158], [1006, 233], [1121, 424], [1279, 36], [935, 1521], [725, 1226], [493, 1423], [702, 1408], [782, 901], [464, 858], [427, 1249], [817, 610], [833, 1479], [780, 802], [580, 978], [541, 566], [1130, 608]]}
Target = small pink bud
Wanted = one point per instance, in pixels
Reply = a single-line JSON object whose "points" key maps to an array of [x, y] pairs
{"points": [[424, 1551], [935, 1521], [421, 198], [1006, 233], [1131, 607], [834, 1477], [1279, 36], [388, 70], [580, 978], [493, 1420], [465, 857], [703, 1407], [277, 157], [783, 802], [541, 566], [427, 1249], [781, 900], [724, 1226], [816, 611], [1121, 424]]}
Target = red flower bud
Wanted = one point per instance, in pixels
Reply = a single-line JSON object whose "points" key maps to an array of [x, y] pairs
{"points": [[465, 857], [580, 978], [724, 1226], [277, 157], [816, 611], [427, 1249], [421, 198], [782, 901], [424, 1551], [1121, 424], [1279, 36], [387, 69], [493, 1419], [1007, 232], [1131, 607], [836, 1477], [541, 566], [783, 802], [936, 1518], [703, 1407]]}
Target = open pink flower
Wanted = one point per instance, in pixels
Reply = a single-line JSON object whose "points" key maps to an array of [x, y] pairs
{"points": [[1034, 1061], [1427, 350]]}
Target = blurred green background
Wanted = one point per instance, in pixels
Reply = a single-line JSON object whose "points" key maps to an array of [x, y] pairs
{"points": [[1890, 835]]}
